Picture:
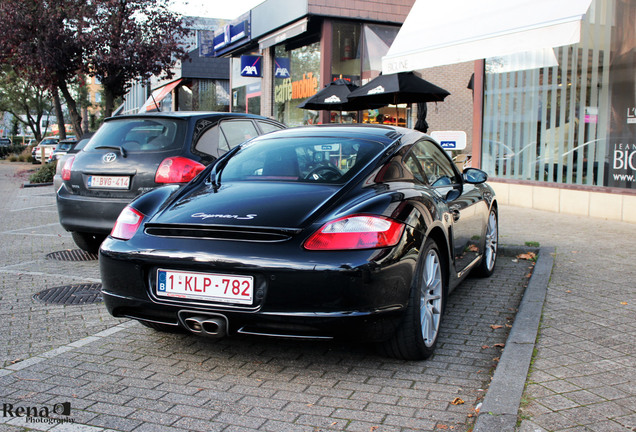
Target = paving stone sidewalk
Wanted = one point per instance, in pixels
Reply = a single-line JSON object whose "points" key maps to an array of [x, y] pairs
{"points": [[584, 374], [120, 376]]}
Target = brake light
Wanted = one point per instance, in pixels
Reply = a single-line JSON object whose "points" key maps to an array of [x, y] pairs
{"points": [[66, 169], [127, 223], [356, 232], [177, 169]]}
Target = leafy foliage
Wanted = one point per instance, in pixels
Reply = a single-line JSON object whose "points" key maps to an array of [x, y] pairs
{"points": [[134, 40], [44, 174], [19, 96], [53, 42]]}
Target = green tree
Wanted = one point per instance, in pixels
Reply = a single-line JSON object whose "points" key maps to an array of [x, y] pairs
{"points": [[133, 40], [27, 102]]}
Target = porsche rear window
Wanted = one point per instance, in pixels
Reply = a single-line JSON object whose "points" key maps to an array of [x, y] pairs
{"points": [[139, 134], [307, 160]]}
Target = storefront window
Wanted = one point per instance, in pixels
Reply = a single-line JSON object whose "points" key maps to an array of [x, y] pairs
{"points": [[246, 91], [567, 114], [376, 41], [296, 78], [345, 62]]}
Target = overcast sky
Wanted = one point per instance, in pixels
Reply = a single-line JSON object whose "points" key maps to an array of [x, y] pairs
{"points": [[229, 9]]}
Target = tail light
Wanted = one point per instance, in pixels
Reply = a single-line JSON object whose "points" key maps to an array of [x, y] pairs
{"points": [[66, 169], [177, 169], [127, 223], [356, 232]]}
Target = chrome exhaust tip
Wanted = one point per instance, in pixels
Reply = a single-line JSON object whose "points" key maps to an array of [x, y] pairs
{"points": [[214, 326]]}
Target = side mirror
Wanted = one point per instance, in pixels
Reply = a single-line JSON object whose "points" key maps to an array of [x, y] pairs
{"points": [[474, 176]]}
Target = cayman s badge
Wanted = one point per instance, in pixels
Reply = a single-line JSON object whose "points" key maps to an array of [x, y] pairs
{"points": [[109, 157]]}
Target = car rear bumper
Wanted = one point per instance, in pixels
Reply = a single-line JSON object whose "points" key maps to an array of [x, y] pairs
{"points": [[311, 295], [87, 214]]}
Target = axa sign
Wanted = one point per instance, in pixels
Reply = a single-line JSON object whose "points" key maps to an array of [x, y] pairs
{"points": [[283, 67], [251, 66]]}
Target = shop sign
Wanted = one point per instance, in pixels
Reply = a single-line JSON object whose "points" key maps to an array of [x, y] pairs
{"points": [[250, 66], [230, 35], [624, 164], [450, 140], [631, 115], [282, 67], [301, 89]]}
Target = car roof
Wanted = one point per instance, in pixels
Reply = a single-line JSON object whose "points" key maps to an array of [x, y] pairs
{"points": [[384, 134], [188, 115]]}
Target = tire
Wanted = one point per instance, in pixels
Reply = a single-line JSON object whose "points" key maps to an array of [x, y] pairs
{"points": [[88, 242], [491, 247], [164, 328], [416, 337]]}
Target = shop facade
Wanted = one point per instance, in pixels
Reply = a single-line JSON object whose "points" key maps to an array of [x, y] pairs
{"points": [[284, 51], [559, 125], [554, 112]]}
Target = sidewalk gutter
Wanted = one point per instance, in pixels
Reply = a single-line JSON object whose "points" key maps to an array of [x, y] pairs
{"points": [[500, 408]]}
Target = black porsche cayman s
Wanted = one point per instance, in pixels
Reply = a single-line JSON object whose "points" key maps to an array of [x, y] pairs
{"points": [[314, 232]]}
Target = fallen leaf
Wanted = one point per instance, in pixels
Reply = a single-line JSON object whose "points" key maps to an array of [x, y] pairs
{"points": [[457, 401], [442, 426], [373, 428], [473, 248], [499, 345], [527, 256], [495, 326], [624, 303], [496, 359], [485, 347], [568, 291]]}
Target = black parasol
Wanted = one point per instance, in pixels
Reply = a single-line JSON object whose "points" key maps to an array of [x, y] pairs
{"points": [[402, 87]]}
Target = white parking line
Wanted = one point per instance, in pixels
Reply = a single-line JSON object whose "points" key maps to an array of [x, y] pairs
{"points": [[18, 231], [33, 208], [31, 273]]}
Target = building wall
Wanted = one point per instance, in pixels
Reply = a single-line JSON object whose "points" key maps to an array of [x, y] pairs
{"points": [[456, 112], [595, 203], [376, 10]]}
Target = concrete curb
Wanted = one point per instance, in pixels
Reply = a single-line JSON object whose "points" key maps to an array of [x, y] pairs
{"points": [[499, 410], [30, 185]]}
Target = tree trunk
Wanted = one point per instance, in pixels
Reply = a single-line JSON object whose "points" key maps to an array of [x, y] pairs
{"points": [[59, 114], [76, 119], [109, 102], [84, 120]]}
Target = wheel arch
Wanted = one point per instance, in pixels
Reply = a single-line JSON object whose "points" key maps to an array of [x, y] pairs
{"points": [[441, 240]]}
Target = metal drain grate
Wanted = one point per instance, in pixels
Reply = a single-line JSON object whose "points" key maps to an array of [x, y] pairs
{"points": [[78, 294], [72, 255]]}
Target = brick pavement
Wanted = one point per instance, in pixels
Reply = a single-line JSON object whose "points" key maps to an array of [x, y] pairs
{"points": [[121, 376], [584, 373]]}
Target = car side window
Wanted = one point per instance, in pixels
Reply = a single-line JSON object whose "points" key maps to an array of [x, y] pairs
{"points": [[268, 127], [429, 164], [236, 132], [211, 142]]}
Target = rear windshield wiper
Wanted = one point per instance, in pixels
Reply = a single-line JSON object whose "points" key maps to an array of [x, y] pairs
{"points": [[120, 148]]}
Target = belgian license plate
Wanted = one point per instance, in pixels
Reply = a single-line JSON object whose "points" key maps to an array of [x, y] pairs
{"points": [[108, 182], [205, 286]]}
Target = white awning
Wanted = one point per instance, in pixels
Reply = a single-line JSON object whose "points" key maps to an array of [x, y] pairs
{"points": [[438, 33]]}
